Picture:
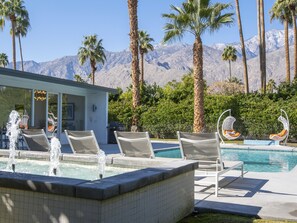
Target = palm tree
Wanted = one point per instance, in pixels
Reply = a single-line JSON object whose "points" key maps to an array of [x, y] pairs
{"points": [[21, 29], [271, 86], [78, 78], [262, 44], [93, 50], [10, 10], [196, 17], [289, 6], [229, 54], [144, 46], [280, 12], [132, 8], [245, 76], [3, 60], [2, 18], [292, 6], [263, 61]]}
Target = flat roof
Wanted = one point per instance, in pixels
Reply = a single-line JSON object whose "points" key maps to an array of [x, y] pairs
{"points": [[55, 80]]}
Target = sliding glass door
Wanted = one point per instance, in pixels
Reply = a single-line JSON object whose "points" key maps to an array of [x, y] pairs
{"points": [[52, 114]]}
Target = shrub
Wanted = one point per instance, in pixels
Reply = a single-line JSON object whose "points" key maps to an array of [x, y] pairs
{"points": [[169, 109]]}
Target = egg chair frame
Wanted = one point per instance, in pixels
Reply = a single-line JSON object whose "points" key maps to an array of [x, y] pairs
{"points": [[284, 134], [227, 127]]}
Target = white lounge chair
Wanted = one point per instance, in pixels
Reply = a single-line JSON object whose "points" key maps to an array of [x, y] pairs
{"points": [[36, 140], [135, 144], [205, 148], [82, 142]]}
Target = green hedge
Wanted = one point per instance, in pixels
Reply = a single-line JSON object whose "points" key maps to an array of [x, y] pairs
{"points": [[169, 109]]}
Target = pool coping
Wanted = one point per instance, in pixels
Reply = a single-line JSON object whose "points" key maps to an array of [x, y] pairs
{"points": [[154, 170], [259, 147], [241, 146]]}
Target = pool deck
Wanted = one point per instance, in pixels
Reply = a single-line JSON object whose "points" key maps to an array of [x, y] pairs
{"points": [[265, 195]]}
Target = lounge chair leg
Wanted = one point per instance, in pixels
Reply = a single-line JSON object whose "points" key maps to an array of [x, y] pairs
{"points": [[241, 171], [216, 185]]}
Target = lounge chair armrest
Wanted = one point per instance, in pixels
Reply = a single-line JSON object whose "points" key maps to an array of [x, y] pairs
{"points": [[197, 141], [31, 136], [80, 137], [132, 140]]}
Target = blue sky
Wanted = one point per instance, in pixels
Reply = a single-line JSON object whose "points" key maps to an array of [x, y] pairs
{"points": [[58, 27]]}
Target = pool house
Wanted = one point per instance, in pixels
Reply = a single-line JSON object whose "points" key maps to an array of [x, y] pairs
{"points": [[54, 104]]}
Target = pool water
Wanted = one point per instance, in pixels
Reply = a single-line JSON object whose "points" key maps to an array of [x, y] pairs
{"points": [[84, 172], [254, 160], [168, 153]]}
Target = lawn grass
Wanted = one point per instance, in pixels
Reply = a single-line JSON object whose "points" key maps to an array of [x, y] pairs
{"points": [[226, 218]]}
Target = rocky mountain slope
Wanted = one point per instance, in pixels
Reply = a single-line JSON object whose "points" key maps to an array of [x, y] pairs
{"points": [[169, 62], [274, 41]]}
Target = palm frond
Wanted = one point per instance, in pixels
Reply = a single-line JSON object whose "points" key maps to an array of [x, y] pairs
{"points": [[196, 17], [93, 50], [282, 11], [145, 41]]}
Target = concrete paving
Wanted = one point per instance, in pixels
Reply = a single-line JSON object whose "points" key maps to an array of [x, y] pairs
{"points": [[266, 195]]}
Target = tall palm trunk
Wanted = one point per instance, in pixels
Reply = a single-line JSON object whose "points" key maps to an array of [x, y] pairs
{"points": [[12, 19], [199, 123], [260, 40], [245, 77], [142, 67], [295, 45], [263, 60], [286, 27], [94, 68], [21, 52], [230, 69], [132, 7]]}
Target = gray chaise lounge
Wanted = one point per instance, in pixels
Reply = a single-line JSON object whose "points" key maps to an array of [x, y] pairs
{"points": [[205, 148]]}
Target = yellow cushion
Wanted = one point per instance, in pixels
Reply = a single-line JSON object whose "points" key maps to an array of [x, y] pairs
{"points": [[232, 133], [51, 128], [281, 134]]}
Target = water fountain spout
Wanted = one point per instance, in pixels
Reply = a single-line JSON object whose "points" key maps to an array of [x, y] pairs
{"points": [[101, 163], [55, 152], [12, 134]]}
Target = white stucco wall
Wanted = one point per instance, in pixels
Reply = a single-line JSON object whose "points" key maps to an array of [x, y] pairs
{"points": [[94, 120], [97, 120]]}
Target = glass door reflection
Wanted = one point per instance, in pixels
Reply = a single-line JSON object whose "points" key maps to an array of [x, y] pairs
{"points": [[52, 115]]}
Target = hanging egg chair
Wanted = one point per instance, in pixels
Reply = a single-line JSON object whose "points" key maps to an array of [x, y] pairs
{"points": [[284, 134], [227, 127]]}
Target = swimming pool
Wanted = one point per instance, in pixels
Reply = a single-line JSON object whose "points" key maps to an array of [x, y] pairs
{"points": [[254, 160], [76, 171]]}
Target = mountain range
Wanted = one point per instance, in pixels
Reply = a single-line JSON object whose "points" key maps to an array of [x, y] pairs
{"points": [[171, 62]]}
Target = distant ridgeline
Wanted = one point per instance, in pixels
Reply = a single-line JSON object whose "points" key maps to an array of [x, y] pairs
{"points": [[171, 62]]}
